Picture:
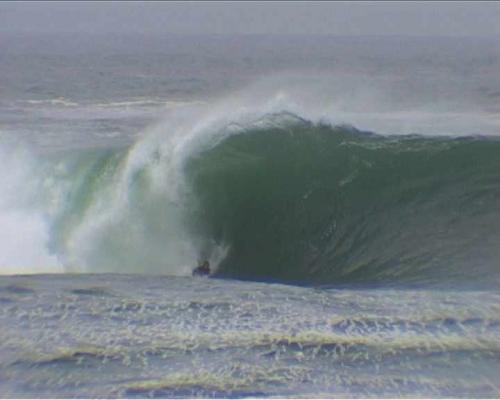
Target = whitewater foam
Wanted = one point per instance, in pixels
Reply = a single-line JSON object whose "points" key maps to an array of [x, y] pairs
{"points": [[25, 225]]}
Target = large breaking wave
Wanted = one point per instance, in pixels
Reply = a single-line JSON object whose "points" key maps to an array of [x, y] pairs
{"points": [[274, 197]]}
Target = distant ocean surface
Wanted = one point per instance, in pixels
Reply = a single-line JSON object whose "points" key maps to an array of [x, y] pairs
{"points": [[346, 192]]}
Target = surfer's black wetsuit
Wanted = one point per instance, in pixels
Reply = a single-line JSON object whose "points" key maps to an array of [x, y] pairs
{"points": [[202, 270]]}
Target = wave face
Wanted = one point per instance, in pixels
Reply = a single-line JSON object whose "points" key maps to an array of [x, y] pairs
{"points": [[275, 198], [303, 202]]}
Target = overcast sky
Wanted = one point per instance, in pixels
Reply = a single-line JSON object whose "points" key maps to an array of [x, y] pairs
{"points": [[337, 18]]}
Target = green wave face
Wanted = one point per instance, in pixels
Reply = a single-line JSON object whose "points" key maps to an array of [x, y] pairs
{"points": [[286, 200], [314, 204]]}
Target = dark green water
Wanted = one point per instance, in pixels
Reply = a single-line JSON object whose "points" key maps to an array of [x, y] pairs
{"points": [[321, 204]]}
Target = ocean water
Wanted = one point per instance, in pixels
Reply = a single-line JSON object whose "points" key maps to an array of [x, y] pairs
{"points": [[346, 192]]}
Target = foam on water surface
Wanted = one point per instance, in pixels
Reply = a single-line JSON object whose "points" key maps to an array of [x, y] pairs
{"points": [[90, 335]]}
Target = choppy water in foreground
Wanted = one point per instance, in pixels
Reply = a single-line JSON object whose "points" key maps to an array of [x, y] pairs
{"points": [[152, 336]]}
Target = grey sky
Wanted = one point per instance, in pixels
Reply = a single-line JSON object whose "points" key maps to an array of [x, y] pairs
{"points": [[337, 18]]}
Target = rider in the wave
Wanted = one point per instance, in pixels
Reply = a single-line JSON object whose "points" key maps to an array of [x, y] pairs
{"points": [[203, 269]]}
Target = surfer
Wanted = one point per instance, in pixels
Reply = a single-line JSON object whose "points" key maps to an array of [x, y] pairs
{"points": [[202, 270]]}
